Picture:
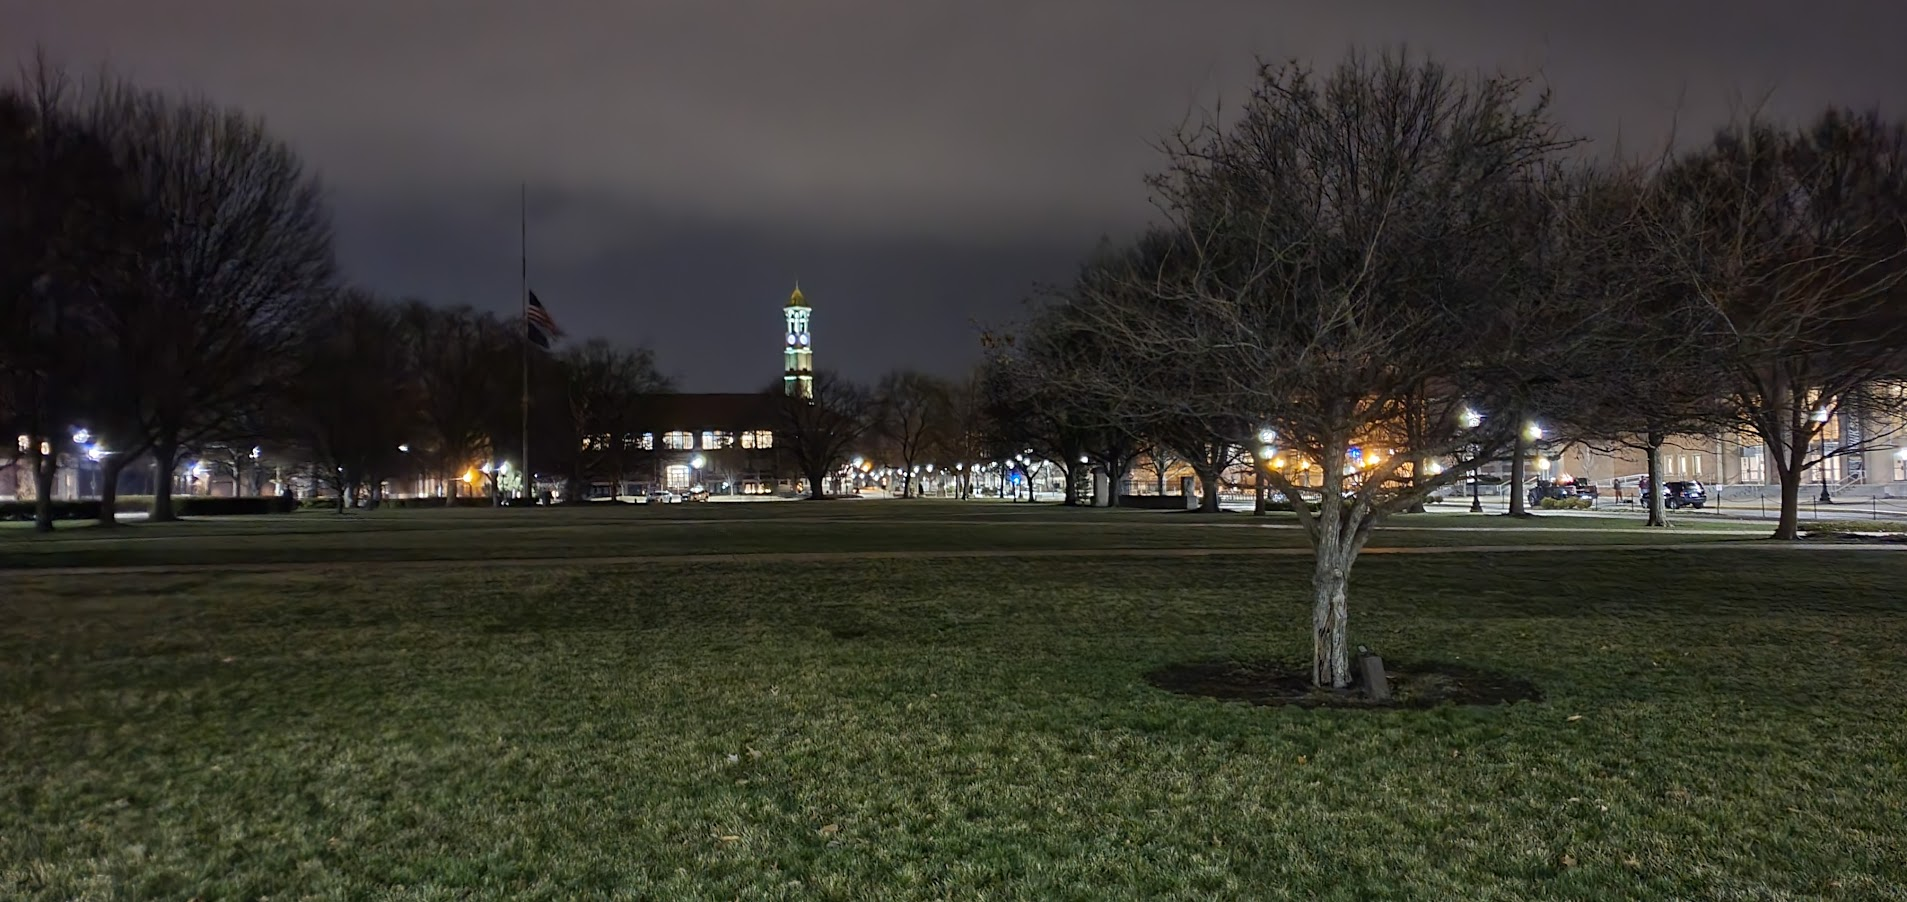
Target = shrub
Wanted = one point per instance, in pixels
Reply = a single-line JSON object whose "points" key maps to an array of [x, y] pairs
{"points": [[196, 506], [1566, 504], [62, 510]]}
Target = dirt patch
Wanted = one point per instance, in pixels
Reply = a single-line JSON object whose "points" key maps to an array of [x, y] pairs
{"points": [[1423, 684]]}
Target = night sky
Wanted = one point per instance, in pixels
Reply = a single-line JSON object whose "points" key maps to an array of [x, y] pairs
{"points": [[918, 166]]}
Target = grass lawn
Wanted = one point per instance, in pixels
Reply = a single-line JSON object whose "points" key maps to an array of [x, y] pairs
{"points": [[1721, 721], [601, 531]]}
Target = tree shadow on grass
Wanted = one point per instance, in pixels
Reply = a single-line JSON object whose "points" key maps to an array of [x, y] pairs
{"points": [[1416, 685]]}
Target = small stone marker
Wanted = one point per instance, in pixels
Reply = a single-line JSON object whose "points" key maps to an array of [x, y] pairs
{"points": [[1370, 669]]}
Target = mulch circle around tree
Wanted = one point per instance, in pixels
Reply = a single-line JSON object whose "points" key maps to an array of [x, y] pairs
{"points": [[1424, 684]]}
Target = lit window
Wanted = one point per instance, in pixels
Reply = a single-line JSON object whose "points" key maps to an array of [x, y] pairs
{"points": [[648, 442], [678, 441], [1900, 465], [758, 439], [714, 441]]}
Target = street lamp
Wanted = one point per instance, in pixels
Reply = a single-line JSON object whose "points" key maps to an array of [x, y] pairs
{"points": [[1821, 469]]}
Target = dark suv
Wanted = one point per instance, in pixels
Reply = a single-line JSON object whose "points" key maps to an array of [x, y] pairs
{"points": [[1680, 494]]}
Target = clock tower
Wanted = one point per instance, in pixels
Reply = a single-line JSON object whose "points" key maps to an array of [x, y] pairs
{"points": [[797, 380]]}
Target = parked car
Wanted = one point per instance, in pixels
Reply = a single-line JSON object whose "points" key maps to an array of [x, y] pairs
{"points": [[663, 496], [1679, 494], [1561, 491]]}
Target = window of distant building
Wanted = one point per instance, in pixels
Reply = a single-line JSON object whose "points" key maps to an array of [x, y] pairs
{"points": [[715, 441], [758, 439], [678, 441], [676, 476], [1754, 466], [1900, 465]]}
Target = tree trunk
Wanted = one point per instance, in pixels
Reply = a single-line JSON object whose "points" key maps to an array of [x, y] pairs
{"points": [[814, 486], [109, 470], [1258, 497], [1655, 482], [1418, 466], [1518, 467], [44, 466], [1330, 613], [165, 463], [1789, 526], [1208, 482]]}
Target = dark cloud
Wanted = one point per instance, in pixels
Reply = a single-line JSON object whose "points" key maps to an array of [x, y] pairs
{"points": [[917, 165]]}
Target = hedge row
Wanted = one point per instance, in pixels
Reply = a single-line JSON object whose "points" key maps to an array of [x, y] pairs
{"points": [[331, 503], [188, 506]]}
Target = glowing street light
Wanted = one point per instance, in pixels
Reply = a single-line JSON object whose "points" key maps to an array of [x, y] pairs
{"points": [[256, 451], [1267, 435], [697, 462], [1471, 419], [81, 437], [1534, 432]]}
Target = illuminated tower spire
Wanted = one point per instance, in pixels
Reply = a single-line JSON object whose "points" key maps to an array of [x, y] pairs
{"points": [[797, 379]]}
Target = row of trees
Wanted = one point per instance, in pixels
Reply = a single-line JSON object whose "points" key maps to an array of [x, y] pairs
{"points": [[167, 285], [158, 258], [1395, 254]]}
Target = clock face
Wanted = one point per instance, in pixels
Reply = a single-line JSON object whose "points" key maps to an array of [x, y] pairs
{"points": [[804, 339], [791, 339]]}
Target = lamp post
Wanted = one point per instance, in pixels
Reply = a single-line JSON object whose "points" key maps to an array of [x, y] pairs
{"points": [[1821, 469], [1471, 420]]}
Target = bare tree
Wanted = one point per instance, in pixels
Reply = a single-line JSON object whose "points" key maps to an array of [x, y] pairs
{"points": [[1794, 245], [962, 441], [1034, 418], [466, 367], [819, 431], [1338, 247], [604, 384], [1659, 376], [352, 400], [70, 223], [911, 408], [240, 257]]}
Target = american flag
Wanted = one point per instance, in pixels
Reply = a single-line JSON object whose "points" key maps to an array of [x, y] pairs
{"points": [[537, 320]]}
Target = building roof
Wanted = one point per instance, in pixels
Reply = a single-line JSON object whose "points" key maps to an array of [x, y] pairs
{"points": [[796, 299], [728, 412]]}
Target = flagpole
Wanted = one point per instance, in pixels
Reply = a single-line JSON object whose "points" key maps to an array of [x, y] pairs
{"points": [[523, 226]]}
